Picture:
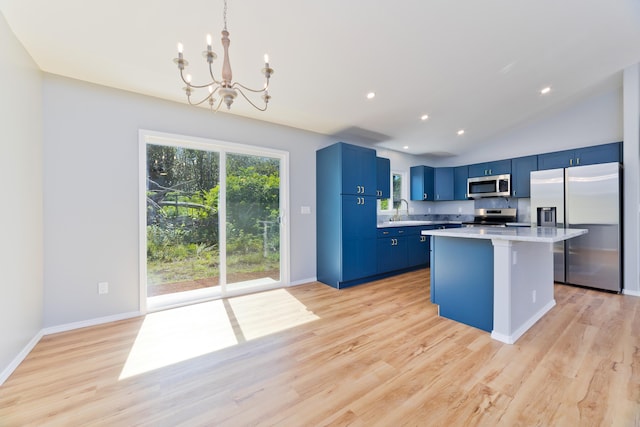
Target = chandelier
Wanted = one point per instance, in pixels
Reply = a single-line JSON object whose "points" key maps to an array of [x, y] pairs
{"points": [[226, 88]]}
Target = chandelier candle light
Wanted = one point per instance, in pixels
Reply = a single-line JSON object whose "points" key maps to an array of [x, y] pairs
{"points": [[227, 88]]}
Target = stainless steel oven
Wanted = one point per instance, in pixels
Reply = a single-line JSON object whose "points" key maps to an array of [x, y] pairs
{"points": [[492, 217], [489, 186]]}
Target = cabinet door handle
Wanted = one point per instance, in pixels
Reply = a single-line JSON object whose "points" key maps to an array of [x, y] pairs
{"points": [[577, 160], [423, 238], [570, 162]]}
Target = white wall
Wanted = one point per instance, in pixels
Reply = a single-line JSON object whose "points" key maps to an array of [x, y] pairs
{"points": [[21, 213], [91, 190], [594, 119], [631, 178]]}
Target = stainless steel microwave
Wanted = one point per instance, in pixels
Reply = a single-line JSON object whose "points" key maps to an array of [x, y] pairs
{"points": [[489, 186]]}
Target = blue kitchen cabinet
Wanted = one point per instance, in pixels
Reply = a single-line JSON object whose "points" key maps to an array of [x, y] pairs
{"points": [[383, 178], [521, 169], [402, 248], [605, 153], [460, 175], [346, 215], [463, 294], [418, 248], [498, 167], [358, 170], [392, 249], [555, 160], [422, 183], [443, 183]]}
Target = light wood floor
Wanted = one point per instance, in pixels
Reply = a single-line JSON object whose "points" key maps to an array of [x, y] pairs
{"points": [[376, 354]]}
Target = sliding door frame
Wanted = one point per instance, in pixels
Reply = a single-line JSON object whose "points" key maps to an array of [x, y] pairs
{"points": [[159, 138]]}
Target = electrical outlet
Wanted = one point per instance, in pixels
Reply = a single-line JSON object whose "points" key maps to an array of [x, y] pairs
{"points": [[459, 210], [533, 296], [103, 288], [305, 210], [428, 210]]}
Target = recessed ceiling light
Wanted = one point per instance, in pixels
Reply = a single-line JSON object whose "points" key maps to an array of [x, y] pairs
{"points": [[546, 90], [371, 95], [406, 147], [461, 132], [424, 117]]}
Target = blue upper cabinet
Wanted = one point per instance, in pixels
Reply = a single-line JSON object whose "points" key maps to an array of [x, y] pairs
{"points": [[460, 175], [443, 184], [605, 153], [521, 175], [383, 174], [422, 183], [358, 170], [498, 167]]}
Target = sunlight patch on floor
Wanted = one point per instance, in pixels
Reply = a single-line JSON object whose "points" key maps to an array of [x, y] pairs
{"points": [[172, 336]]}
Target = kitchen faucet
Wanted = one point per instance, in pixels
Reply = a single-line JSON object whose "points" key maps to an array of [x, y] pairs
{"points": [[396, 217]]}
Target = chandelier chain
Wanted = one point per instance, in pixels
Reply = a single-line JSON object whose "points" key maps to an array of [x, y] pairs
{"points": [[224, 14]]}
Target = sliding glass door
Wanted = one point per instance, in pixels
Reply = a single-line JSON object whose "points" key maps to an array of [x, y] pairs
{"points": [[183, 246], [253, 221], [213, 220]]}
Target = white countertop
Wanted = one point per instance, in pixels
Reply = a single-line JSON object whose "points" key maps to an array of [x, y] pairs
{"points": [[521, 234], [413, 223]]}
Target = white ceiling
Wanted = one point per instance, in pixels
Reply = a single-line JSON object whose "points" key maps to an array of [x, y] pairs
{"points": [[476, 65]]}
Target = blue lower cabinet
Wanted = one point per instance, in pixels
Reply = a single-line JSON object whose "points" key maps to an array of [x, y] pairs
{"points": [[358, 259], [464, 293], [418, 250], [392, 254], [402, 248]]}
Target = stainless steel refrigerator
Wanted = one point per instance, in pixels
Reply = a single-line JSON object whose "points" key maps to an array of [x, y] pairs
{"points": [[583, 197]]}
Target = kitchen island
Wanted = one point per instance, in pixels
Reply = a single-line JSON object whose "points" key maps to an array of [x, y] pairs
{"points": [[498, 279]]}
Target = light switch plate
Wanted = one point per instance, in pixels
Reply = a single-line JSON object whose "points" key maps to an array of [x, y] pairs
{"points": [[103, 288]]}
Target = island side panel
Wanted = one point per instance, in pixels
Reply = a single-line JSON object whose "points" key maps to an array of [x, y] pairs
{"points": [[532, 285], [462, 280], [523, 287]]}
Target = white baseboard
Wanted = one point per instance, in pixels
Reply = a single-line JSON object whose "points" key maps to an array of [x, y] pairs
{"points": [[631, 293], [54, 330], [304, 281], [510, 339], [6, 373], [91, 322]]}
